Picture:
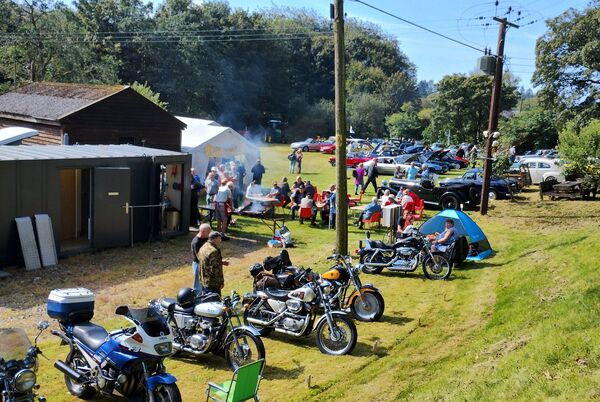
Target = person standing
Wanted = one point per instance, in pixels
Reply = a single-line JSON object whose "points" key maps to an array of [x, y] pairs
{"points": [[292, 158], [299, 156], [359, 178], [195, 188], [296, 199], [473, 156], [411, 172], [258, 171], [197, 242], [223, 196], [211, 264], [240, 173], [371, 176], [512, 154], [426, 173]]}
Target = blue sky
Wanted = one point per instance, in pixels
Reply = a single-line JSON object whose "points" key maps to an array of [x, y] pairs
{"points": [[433, 55]]}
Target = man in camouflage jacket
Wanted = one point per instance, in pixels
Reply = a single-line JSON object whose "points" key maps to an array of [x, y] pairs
{"points": [[211, 264]]}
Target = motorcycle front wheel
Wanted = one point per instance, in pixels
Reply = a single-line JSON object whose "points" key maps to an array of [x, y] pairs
{"points": [[76, 360], [370, 308], [166, 393], [437, 268], [243, 349], [340, 339], [367, 258]]}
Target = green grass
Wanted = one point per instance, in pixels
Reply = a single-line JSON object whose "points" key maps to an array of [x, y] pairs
{"points": [[522, 325]]}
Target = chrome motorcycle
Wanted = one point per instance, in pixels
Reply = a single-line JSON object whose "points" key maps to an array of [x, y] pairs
{"points": [[404, 255], [294, 313], [18, 365], [203, 324]]}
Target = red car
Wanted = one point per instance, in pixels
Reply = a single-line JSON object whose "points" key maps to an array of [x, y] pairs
{"points": [[352, 160], [328, 149]]}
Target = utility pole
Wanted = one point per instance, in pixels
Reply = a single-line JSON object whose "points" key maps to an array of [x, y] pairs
{"points": [[493, 120], [341, 217]]}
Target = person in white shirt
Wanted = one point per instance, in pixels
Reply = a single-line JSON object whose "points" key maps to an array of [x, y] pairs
{"points": [[223, 196], [253, 189], [307, 202], [406, 198], [385, 197]]}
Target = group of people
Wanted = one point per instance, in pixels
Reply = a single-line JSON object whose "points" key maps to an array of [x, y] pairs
{"points": [[295, 158], [407, 200], [360, 173], [207, 260]]}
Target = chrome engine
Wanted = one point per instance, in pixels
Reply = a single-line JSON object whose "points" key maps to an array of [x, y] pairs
{"points": [[292, 324]]}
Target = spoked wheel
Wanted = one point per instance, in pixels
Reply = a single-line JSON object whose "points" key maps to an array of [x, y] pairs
{"points": [[340, 339], [243, 349], [369, 258], [77, 362], [254, 311], [167, 393], [370, 308], [437, 268]]}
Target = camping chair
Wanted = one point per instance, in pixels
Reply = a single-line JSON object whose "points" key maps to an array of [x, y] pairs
{"points": [[242, 386], [375, 218], [418, 214], [305, 213], [356, 200]]}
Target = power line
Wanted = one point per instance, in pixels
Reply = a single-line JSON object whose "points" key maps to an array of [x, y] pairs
{"points": [[419, 26]]}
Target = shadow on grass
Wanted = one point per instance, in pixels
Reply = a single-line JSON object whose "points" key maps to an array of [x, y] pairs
{"points": [[395, 320], [416, 274], [278, 373]]}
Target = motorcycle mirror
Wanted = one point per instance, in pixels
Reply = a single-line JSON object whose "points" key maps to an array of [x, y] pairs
{"points": [[42, 325]]}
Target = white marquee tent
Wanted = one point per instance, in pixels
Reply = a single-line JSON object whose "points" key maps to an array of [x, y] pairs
{"points": [[206, 139]]}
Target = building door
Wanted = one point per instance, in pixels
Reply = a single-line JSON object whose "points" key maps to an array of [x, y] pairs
{"points": [[111, 225]]}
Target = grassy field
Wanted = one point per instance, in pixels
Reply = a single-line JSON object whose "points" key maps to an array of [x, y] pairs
{"points": [[522, 325]]}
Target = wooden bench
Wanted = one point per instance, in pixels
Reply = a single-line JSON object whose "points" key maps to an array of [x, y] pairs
{"points": [[547, 188]]}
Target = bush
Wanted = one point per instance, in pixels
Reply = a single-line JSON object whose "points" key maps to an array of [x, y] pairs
{"points": [[581, 151]]}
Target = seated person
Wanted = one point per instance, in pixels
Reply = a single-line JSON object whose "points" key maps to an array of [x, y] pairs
{"points": [[426, 174], [309, 189], [473, 250], [369, 210], [407, 201], [385, 197], [275, 192], [298, 183], [296, 198], [441, 241], [391, 200], [307, 202], [398, 173]]}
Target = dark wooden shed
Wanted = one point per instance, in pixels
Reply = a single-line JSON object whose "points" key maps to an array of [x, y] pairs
{"points": [[98, 196], [89, 114]]}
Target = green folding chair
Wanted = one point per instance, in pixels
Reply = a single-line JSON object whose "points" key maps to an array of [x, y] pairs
{"points": [[242, 386]]}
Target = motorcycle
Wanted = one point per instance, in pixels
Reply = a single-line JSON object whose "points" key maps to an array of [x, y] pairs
{"points": [[204, 324], [365, 301], [404, 255], [18, 365], [294, 313], [128, 360]]}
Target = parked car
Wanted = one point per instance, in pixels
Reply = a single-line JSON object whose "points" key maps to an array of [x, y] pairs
{"points": [[352, 159], [436, 146], [309, 144], [413, 149], [448, 197], [499, 188], [543, 169], [328, 148], [444, 156]]}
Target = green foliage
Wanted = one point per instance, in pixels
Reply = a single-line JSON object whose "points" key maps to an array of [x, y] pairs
{"points": [[366, 114], [405, 123], [567, 64], [145, 90], [462, 103], [582, 151], [529, 130]]}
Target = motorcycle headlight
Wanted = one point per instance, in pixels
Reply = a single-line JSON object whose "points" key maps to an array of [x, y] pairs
{"points": [[327, 288], [164, 348], [238, 308], [24, 380]]}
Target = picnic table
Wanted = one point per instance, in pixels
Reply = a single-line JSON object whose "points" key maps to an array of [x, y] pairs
{"points": [[568, 187]]}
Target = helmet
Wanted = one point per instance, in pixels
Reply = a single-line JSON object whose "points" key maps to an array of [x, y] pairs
{"points": [[255, 269], [186, 297]]}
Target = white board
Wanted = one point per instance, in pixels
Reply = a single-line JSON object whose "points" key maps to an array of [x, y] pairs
{"points": [[43, 226]]}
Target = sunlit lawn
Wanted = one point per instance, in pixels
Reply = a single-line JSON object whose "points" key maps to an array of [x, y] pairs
{"points": [[521, 325]]}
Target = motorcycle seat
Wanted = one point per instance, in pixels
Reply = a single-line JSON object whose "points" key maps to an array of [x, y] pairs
{"points": [[404, 242], [167, 302], [380, 244], [91, 335], [184, 310], [278, 294]]}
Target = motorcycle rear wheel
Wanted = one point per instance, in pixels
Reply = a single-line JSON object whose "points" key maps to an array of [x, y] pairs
{"points": [[438, 268], [263, 331], [370, 270], [82, 391], [340, 343], [369, 310], [252, 349]]}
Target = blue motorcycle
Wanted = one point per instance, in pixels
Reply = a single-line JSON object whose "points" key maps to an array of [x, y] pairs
{"points": [[128, 361]]}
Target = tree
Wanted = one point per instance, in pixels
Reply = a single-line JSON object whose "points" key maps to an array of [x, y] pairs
{"points": [[145, 90], [568, 64], [581, 150], [532, 129], [405, 123], [366, 114]]}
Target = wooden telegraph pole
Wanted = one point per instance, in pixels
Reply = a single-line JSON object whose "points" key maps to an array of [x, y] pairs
{"points": [[341, 218], [493, 120]]}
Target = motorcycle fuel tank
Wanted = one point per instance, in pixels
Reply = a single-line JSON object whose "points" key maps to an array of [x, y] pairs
{"points": [[212, 309]]}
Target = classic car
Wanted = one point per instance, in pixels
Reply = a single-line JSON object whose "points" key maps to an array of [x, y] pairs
{"points": [[352, 159], [449, 197], [499, 188], [309, 144], [543, 169]]}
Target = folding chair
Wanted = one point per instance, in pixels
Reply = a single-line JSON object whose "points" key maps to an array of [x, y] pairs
{"points": [[305, 213], [419, 208], [356, 200], [375, 218], [242, 386]]}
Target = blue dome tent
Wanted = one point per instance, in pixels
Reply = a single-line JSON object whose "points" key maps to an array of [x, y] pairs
{"points": [[464, 226]]}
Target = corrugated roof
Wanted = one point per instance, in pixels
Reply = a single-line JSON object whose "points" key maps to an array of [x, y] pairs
{"points": [[52, 101], [46, 152]]}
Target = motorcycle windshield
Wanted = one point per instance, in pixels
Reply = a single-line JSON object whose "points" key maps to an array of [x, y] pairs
{"points": [[150, 320], [14, 344]]}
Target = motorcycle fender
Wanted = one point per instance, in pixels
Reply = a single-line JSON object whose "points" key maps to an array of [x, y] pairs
{"points": [[365, 289], [241, 329], [162, 378], [333, 313]]}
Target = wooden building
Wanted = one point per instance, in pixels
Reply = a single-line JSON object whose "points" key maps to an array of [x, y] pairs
{"points": [[89, 114]]}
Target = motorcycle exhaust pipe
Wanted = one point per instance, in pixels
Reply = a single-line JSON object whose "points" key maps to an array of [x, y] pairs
{"points": [[188, 349], [69, 371], [265, 323], [285, 331]]}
